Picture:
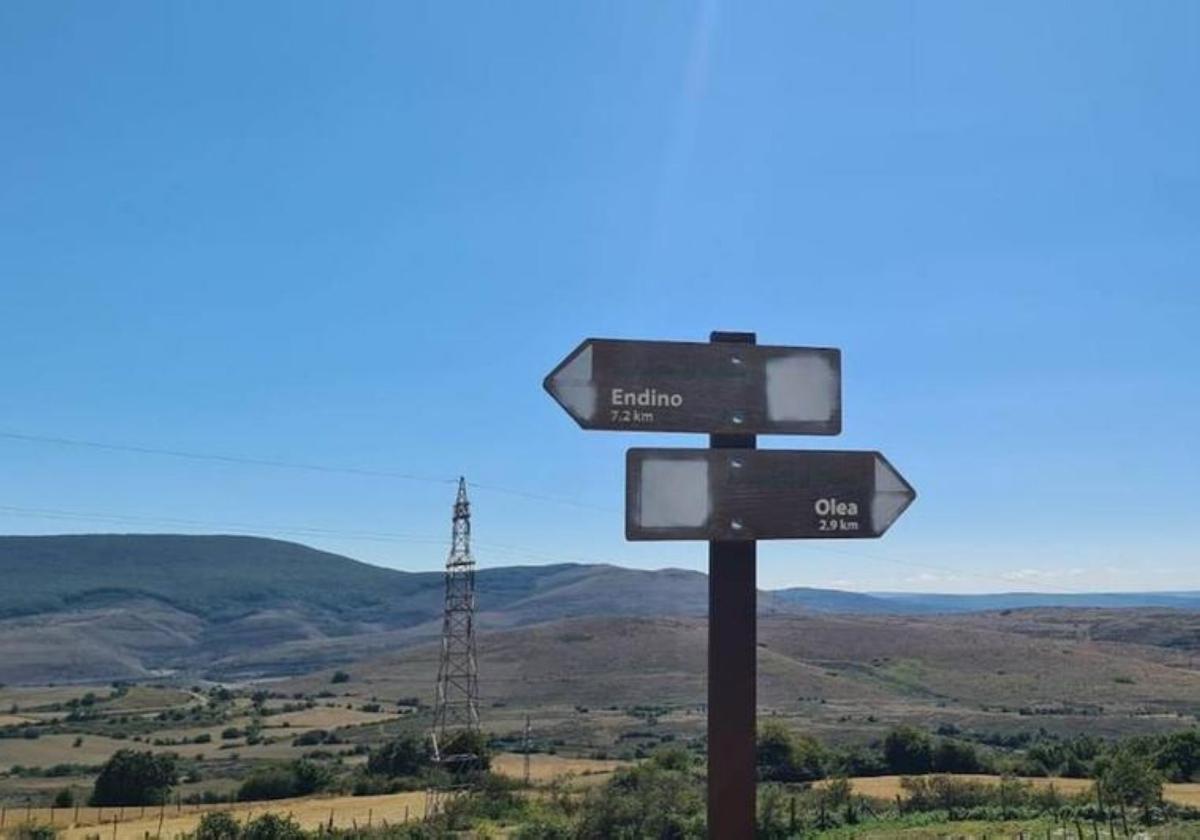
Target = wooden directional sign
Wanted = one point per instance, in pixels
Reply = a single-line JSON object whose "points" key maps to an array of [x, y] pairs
{"points": [[760, 494], [676, 386]]}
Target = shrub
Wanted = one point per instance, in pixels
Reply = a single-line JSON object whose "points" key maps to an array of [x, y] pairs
{"points": [[469, 743], [339, 677], [135, 778], [218, 825], [283, 781], [784, 756], [956, 757], [403, 756], [33, 832], [312, 738], [65, 798], [272, 827], [644, 801], [908, 751], [544, 829]]}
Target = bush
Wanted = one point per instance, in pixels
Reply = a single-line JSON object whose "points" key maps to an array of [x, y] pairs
{"points": [[407, 755], [339, 677], [218, 825], [272, 827], [284, 781], [783, 756], [135, 778], [544, 829], [908, 751], [33, 832], [65, 798], [956, 757], [466, 743], [312, 738]]}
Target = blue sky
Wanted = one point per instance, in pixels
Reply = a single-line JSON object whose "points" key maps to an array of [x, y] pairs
{"points": [[359, 235]]}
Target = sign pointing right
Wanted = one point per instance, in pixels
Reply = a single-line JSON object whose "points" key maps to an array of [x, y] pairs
{"points": [[760, 494]]}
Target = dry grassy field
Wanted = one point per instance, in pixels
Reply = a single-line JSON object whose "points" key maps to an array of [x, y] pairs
{"points": [[547, 768], [137, 823], [888, 787], [49, 750], [344, 811]]}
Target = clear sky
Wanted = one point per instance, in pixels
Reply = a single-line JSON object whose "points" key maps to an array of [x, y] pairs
{"points": [[359, 234]]}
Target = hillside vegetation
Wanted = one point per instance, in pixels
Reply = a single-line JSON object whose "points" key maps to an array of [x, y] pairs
{"points": [[104, 607]]}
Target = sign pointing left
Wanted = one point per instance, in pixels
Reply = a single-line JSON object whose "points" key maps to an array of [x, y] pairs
{"points": [[680, 386]]}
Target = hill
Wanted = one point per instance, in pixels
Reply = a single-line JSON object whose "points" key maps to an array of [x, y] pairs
{"points": [[116, 606], [98, 607], [844, 676]]}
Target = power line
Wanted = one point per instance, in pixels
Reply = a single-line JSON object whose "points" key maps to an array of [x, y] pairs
{"points": [[510, 551], [275, 463], [278, 463], [243, 528]]}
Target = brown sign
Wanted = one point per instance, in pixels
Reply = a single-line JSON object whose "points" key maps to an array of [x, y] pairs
{"points": [[760, 494], [677, 386]]}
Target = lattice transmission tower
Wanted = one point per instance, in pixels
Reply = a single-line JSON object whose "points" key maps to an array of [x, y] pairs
{"points": [[457, 739]]}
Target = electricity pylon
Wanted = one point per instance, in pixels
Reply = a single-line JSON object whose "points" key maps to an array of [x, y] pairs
{"points": [[456, 735]]}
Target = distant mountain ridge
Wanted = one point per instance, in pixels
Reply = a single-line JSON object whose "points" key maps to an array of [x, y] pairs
{"points": [[922, 603], [109, 606]]}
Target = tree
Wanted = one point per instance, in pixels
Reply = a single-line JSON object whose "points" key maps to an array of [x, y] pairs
{"points": [[135, 778], [1127, 778], [407, 755], [644, 801], [952, 756], [1179, 756], [907, 750], [65, 798], [783, 756]]}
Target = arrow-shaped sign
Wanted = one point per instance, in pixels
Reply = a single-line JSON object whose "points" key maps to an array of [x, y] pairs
{"points": [[760, 494], [676, 386]]}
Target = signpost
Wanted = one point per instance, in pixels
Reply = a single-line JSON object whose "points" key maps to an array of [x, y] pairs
{"points": [[731, 495], [767, 494], [679, 386]]}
